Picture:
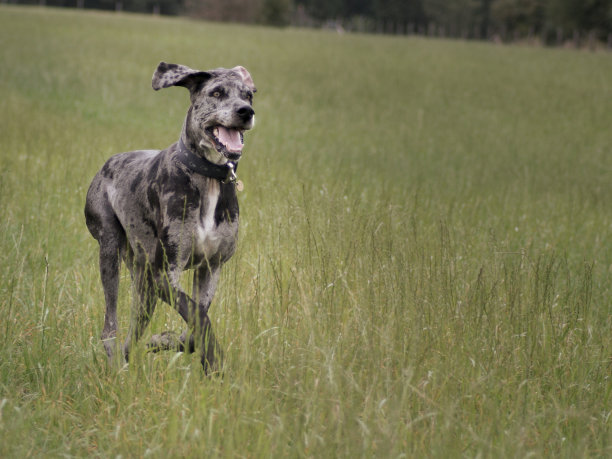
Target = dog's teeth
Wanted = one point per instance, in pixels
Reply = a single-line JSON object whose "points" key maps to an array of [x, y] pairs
{"points": [[216, 132]]}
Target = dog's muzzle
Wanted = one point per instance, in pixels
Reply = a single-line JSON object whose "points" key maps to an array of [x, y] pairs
{"points": [[229, 141]]}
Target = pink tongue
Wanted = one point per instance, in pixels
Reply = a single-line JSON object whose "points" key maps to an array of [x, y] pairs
{"points": [[231, 139]]}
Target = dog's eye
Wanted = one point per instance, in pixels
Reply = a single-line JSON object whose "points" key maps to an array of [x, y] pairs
{"points": [[217, 93]]}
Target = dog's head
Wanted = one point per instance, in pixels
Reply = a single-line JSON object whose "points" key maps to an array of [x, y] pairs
{"points": [[221, 108]]}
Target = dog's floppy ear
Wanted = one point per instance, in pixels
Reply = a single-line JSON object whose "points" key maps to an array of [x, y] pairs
{"points": [[246, 77], [167, 75]]}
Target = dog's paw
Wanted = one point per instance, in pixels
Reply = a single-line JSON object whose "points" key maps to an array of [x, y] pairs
{"points": [[166, 341]]}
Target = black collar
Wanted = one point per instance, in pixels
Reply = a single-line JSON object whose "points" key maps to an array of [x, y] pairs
{"points": [[202, 166]]}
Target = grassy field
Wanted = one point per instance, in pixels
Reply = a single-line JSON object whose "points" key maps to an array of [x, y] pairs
{"points": [[425, 255]]}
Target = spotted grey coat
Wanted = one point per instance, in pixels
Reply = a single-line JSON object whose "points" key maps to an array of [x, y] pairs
{"points": [[163, 212]]}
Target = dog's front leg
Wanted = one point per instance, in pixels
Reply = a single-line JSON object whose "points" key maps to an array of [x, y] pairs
{"points": [[144, 304], [200, 335], [205, 281]]}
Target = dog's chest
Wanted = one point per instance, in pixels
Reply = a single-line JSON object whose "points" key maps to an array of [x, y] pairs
{"points": [[213, 238]]}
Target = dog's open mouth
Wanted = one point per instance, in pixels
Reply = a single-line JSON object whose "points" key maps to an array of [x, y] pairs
{"points": [[228, 141]]}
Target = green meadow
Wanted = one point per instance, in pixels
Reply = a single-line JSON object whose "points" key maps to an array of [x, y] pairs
{"points": [[425, 258]]}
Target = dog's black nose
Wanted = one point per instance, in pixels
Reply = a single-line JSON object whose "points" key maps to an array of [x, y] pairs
{"points": [[245, 113]]}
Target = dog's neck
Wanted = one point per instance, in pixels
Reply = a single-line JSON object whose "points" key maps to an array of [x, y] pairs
{"points": [[202, 166]]}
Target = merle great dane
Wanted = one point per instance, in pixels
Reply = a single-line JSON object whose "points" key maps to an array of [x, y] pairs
{"points": [[163, 212]]}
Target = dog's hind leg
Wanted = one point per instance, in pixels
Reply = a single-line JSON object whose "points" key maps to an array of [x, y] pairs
{"points": [[110, 260], [112, 240]]}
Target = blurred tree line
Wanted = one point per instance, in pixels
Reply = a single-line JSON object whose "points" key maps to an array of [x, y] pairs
{"points": [[552, 21], [271, 12]]}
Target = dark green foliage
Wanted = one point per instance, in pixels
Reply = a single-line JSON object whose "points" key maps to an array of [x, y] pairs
{"points": [[553, 20]]}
